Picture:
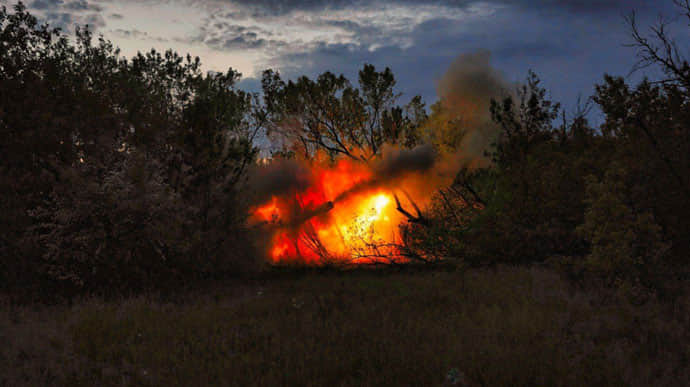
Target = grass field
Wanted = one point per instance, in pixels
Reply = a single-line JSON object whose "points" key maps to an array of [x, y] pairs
{"points": [[491, 327]]}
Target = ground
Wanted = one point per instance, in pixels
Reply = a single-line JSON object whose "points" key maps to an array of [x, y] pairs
{"points": [[493, 327]]}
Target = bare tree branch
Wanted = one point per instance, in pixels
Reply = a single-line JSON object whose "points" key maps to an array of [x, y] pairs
{"points": [[660, 49], [419, 219]]}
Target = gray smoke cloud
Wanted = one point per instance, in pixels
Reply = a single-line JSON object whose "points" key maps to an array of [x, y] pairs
{"points": [[465, 92]]}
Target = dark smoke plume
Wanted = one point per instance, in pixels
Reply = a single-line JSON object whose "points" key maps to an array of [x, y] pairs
{"points": [[277, 179], [394, 165], [398, 162]]}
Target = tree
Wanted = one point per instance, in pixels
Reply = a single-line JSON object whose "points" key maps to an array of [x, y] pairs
{"points": [[524, 206], [217, 146], [118, 173], [330, 115], [661, 50]]}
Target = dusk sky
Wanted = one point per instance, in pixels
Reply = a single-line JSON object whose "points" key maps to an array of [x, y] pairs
{"points": [[568, 43]]}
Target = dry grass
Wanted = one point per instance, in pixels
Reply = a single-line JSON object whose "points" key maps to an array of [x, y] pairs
{"points": [[511, 326]]}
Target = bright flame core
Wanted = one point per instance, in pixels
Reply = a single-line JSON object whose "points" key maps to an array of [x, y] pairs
{"points": [[342, 216]]}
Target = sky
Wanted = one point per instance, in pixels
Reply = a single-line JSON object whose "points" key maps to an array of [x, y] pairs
{"points": [[570, 44]]}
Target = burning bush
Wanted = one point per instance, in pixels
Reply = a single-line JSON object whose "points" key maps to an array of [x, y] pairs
{"points": [[345, 211]]}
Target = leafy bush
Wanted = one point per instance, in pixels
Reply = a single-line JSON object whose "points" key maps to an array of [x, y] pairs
{"points": [[626, 244]]}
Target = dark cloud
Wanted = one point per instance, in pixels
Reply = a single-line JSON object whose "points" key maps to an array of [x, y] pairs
{"points": [[223, 35], [46, 4], [82, 5], [413, 68], [282, 7], [246, 41], [74, 5], [65, 14], [62, 20], [583, 6]]}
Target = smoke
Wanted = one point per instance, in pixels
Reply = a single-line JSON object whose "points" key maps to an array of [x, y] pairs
{"points": [[279, 178], [397, 162], [343, 196], [465, 92]]}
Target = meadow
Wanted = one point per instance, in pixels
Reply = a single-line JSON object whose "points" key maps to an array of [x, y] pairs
{"points": [[506, 326]]}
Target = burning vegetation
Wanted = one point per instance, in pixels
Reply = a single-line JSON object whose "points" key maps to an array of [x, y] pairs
{"points": [[348, 211], [353, 173]]}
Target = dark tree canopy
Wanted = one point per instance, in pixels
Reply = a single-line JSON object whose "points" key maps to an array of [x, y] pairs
{"points": [[115, 172]]}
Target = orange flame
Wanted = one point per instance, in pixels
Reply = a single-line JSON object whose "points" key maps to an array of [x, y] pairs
{"points": [[342, 216]]}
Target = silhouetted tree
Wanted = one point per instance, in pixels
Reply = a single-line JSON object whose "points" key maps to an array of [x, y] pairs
{"points": [[329, 114], [118, 174]]}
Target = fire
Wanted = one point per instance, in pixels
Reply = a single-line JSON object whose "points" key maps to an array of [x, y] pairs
{"points": [[269, 211], [343, 215]]}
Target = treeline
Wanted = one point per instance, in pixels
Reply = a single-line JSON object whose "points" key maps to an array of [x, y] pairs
{"points": [[119, 175], [116, 175], [610, 202]]}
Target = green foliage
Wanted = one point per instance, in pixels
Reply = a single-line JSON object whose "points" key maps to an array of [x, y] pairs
{"points": [[652, 134], [117, 234], [525, 206], [614, 200], [627, 244]]}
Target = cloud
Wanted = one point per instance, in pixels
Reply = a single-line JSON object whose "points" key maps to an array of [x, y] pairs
{"points": [[264, 8], [46, 4], [284, 7], [65, 14], [222, 35], [570, 43], [570, 52], [136, 34], [583, 6], [283, 27], [62, 20], [74, 5], [82, 5], [94, 21]]}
